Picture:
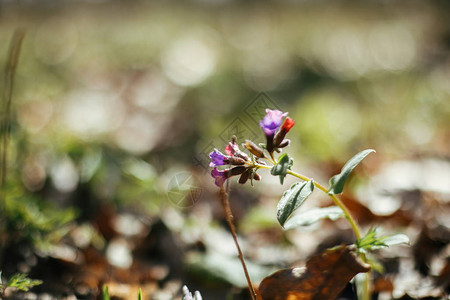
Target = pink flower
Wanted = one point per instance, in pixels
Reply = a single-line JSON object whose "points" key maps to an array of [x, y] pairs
{"points": [[219, 176], [231, 149]]}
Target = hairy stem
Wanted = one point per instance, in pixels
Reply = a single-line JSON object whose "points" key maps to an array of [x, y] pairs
{"points": [[229, 218]]}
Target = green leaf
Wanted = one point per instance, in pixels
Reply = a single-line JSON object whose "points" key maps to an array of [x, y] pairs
{"points": [[314, 215], [372, 242], [396, 239], [22, 282], [105, 293], [292, 199], [337, 181], [284, 163], [139, 294]]}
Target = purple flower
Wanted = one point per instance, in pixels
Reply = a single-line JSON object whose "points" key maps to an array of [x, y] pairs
{"points": [[219, 176], [217, 158], [272, 121]]}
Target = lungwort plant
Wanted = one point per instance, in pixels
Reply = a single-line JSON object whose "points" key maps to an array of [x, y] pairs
{"points": [[326, 274]]}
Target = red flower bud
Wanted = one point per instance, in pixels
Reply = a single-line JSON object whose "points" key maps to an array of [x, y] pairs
{"points": [[288, 124]]}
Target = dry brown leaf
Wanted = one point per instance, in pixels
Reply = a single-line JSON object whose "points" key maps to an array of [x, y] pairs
{"points": [[383, 284], [323, 278]]}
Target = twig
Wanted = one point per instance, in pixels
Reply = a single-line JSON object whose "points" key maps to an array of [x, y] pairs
{"points": [[229, 218]]}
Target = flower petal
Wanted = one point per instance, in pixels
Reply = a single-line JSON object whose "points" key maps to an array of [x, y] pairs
{"points": [[231, 149], [219, 176], [272, 121], [217, 158]]}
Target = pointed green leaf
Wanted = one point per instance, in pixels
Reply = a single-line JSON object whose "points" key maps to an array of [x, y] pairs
{"points": [[337, 181], [139, 294], [105, 293], [284, 163], [22, 282], [371, 241], [292, 199], [314, 215]]}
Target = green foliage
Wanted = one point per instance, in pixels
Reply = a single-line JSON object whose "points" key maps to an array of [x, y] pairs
{"points": [[30, 218], [20, 281], [284, 163], [371, 241], [337, 182], [105, 293], [314, 215], [292, 199]]}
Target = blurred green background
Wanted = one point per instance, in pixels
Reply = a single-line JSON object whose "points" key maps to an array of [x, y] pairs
{"points": [[116, 80], [114, 98]]}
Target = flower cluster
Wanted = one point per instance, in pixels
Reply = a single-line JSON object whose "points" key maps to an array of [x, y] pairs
{"points": [[271, 127], [234, 156], [275, 130]]}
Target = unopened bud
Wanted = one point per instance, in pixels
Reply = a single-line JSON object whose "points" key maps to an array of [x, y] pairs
{"points": [[284, 143], [254, 149], [242, 155], [287, 125], [244, 177], [235, 161], [237, 170]]}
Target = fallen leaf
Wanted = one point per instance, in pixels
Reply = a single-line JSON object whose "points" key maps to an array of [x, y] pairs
{"points": [[324, 277], [383, 284]]}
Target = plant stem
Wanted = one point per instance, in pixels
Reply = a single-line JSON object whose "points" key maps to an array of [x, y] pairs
{"points": [[351, 220], [14, 50], [336, 200], [13, 58], [366, 287], [229, 218], [347, 214]]}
